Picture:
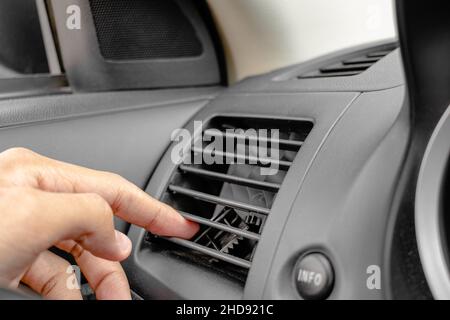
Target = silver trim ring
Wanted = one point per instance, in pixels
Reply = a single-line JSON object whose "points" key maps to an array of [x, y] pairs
{"points": [[429, 211]]}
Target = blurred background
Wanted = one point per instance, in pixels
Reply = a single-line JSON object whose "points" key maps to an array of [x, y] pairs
{"points": [[277, 33], [258, 35]]}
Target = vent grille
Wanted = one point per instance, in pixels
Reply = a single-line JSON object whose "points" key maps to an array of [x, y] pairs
{"points": [[232, 197], [349, 67]]}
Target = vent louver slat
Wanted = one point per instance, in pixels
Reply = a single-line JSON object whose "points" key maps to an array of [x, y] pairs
{"points": [[283, 142], [217, 200], [378, 54], [344, 68], [212, 252], [220, 226], [246, 158], [349, 67], [232, 179], [360, 60], [231, 198]]}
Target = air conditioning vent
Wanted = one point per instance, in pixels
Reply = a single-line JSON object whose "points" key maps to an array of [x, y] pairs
{"points": [[349, 67], [232, 197]]}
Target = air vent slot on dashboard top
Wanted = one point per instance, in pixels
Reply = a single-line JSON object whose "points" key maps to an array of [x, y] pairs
{"points": [[229, 189], [351, 66]]}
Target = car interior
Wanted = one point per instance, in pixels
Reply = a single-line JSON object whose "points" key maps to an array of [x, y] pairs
{"points": [[360, 195]]}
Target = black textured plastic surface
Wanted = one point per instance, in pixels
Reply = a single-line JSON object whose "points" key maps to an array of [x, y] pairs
{"points": [[143, 29], [22, 47], [99, 74]]}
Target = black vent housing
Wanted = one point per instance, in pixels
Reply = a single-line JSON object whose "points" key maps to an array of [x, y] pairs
{"points": [[230, 201], [350, 66]]}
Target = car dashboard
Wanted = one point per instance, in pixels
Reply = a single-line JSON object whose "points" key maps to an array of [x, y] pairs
{"points": [[344, 129]]}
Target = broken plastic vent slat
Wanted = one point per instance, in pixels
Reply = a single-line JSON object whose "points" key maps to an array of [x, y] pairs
{"points": [[211, 252], [220, 226]]}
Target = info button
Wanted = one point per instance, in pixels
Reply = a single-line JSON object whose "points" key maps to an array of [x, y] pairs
{"points": [[314, 276]]}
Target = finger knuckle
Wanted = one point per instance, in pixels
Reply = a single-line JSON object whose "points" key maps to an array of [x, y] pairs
{"points": [[12, 161], [17, 154], [156, 215], [123, 189], [76, 250], [102, 207], [112, 276], [113, 176], [50, 285]]}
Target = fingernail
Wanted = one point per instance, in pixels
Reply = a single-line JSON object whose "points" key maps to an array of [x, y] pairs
{"points": [[194, 227], [123, 242]]}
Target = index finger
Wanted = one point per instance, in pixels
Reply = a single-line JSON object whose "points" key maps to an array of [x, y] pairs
{"points": [[127, 200]]}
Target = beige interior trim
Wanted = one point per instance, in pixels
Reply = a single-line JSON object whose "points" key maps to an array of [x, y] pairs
{"points": [[263, 35]]}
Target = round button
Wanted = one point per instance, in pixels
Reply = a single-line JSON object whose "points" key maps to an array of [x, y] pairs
{"points": [[314, 276]]}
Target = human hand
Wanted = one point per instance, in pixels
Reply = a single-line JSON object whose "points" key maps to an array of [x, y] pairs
{"points": [[45, 203]]}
